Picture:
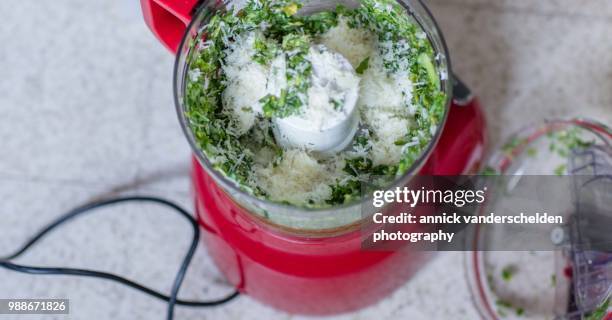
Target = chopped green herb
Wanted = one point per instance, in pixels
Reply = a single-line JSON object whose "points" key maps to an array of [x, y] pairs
{"points": [[427, 64], [489, 171], [343, 193], [553, 280], [502, 307], [491, 281], [321, 22], [511, 146], [504, 304], [532, 152], [508, 272], [520, 312], [337, 104], [402, 142], [265, 51], [363, 66], [565, 141], [560, 170], [358, 166]]}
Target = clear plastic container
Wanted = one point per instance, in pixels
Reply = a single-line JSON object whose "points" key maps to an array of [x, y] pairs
{"points": [[567, 283]]}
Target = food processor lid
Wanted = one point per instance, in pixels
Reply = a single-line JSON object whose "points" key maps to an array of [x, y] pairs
{"points": [[580, 150]]}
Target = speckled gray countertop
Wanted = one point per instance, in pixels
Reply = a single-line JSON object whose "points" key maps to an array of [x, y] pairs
{"points": [[86, 110]]}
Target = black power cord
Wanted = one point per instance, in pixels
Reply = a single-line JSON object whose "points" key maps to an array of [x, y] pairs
{"points": [[172, 299]]}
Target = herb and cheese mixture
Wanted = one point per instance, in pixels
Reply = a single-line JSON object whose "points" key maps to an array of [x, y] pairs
{"points": [[267, 64]]}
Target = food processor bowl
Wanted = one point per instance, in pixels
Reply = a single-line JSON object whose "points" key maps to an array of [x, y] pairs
{"points": [[288, 217], [310, 261]]}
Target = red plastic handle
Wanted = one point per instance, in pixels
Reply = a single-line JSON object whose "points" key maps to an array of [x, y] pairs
{"points": [[168, 19]]}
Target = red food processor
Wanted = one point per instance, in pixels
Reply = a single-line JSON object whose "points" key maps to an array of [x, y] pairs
{"points": [[299, 260]]}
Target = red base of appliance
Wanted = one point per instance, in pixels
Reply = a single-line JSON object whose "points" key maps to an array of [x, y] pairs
{"points": [[328, 275]]}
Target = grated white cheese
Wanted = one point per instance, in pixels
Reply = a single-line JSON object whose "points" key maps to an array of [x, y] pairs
{"points": [[378, 89], [388, 128], [277, 76], [383, 106], [298, 178], [354, 44], [246, 82], [194, 75]]}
